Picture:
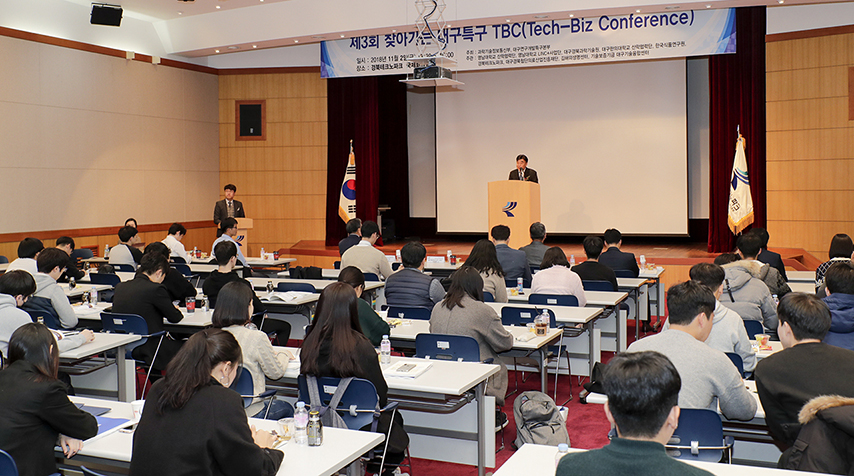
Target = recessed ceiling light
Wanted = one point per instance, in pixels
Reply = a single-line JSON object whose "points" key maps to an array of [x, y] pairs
{"points": [[541, 16], [708, 6], [255, 46], [296, 41], [394, 31], [509, 20], [216, 51], [571, 15], [180, 13], [780, 1], [342, 36], [217, 7], [637, 11]]}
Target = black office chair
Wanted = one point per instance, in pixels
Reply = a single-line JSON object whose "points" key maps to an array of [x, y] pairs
{"points": [[512, 283], [371, 277], [42, 308], [7, 465], [700, 437], [405, 312], [124, 267], [245, 387], [553, 299], [136, 325], [488, 297], [596, 285], [447, 347], [738, 362], [624, 273], [108, 279], [753, 328], [3, 259], [301, 287]]}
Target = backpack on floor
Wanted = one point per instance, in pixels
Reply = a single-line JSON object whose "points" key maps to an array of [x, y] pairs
{"points": [[538, 420]]}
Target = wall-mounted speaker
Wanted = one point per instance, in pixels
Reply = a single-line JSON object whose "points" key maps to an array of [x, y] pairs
{"points": [[104, 14]]}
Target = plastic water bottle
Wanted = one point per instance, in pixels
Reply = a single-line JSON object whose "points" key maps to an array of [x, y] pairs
{"points": [[205, 303], [643, 262], [195, 251], [301, 424], [93, 296], [541, 325], [262, 253], [269, 287], [562, 450], [397, 256], [449, 256], [385, 350], [520, 286], [106, 251], [571, 260]]}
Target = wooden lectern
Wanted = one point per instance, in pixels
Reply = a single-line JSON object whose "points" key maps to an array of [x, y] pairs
{"points": [[243, 227], [516, 204]]}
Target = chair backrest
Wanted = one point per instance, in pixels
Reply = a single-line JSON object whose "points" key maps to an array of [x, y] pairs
{"points": [[371, 277], [447, 347], [737, 361], [124, 267], [88, 472], [3, 259], [124, 323], [488, 297], [337, 264], [698, 427], [7, 465], [596, 285], [304, 287], [624, 273], [512, 283], [396, 266], [753, 328], [183, 268], [404, 312], [361, 396], [177, 259], [81, 254], [109, 279], [553, 299], [522, 316], [243, 385], [42, 307], [534, 269]]}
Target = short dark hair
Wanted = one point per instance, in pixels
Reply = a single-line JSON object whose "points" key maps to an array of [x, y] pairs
{"points": [[686, 300], [153, 262], [612, 236], [707, 274], [593, 246], [353, 226], [726, 258], [500, 232], [65, 240], [537, 231], [50, 258], [232, 305], [642, 389], [749, 244], [231, 187], [126, 233], [412, 254], [840, 278], [763, 235], [131, 220], [29, 247], [522, 157], [841, 246], [352, 276], [227, 224], [465, 281], [177, 228], [554, 256], [807, 315], [369, 228], [17, 283], [224, 251], [159, 248]]}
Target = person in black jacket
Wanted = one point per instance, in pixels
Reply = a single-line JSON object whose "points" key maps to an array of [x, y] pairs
{"points": [[144, 295], [66, 244], [176, 284], [592, 269], [226, 258], [616, 259], [769, 257], [35, 412], [354, 236], [192, 423]]}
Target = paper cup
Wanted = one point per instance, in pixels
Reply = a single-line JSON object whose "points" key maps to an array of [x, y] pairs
{"points": [[137, 408], [762, 340]]}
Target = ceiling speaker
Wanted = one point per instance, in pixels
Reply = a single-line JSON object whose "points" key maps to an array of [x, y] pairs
{"points": [[104, 14]]}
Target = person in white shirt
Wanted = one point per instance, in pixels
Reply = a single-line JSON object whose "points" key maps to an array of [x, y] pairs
{"points": [[228, 228], [28, 250], [364, 256], [555, 277], [177, 232]]}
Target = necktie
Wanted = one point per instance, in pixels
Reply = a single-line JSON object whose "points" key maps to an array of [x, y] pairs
{"points": [[521, 175], [231, 209]]}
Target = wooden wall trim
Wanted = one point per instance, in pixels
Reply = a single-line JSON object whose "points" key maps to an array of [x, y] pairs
{"points": [[102, 50], [109, 230], [851, 93], [798, 35], [277, 70]]}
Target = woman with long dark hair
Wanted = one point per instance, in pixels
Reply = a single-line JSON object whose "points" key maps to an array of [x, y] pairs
{"points": [[841, 249], [372, 324], [35, 412], [555, 277], [233, 313], [484, 259], [192, 423]]}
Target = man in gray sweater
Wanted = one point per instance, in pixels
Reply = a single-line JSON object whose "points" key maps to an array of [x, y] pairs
{"points": [[51, 264], [709, 380]]}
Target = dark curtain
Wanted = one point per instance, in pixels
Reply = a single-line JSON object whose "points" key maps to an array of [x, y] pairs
{"points": [[737, 97]]}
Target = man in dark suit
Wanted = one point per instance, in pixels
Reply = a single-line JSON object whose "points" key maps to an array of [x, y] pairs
{"points": [[522, 172], [354, 236], [145, 296], [513, 262], [769, 257], [616, 259], [228, 207], [592, 270]]}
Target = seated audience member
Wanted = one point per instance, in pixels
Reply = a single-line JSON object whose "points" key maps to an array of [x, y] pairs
{"points": [[728, 332], [28, 250], [841, 249], [535, 250], [126, 252], [373, 326], [51, 264], [616, 259], [555, 277], [749, 245], [643, 392], [131, 222], [66, 244], [233, 313], [484, 259], [767, 256], [409, 286], [513, 262], [176, 233], [745, 293], [709, 380], [364, 256], [463, 312], [176, 284], [145, 296], [354, 236], [228, 230], [804, 369], [35, 412], [192, 409], [840, 299], [336, 347], [226, 258], [15, 288], [592, 269]]}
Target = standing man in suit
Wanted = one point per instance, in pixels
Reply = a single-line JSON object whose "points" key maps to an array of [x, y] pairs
{"points": [[522, 172], [513, 262], [228, 207], [616, 259], [354, 236], [769, 257]]}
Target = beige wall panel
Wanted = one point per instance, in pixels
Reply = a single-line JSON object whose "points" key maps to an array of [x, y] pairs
{"points": [[779, 145], [199, 88], [833, 81], [833, 143], [774, 55], [20, 76], [803, 145], [831, 112], [226, 111], [804, 83]]}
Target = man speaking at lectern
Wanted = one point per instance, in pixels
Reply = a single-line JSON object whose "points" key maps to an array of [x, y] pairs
{"points": [[522, 172]]}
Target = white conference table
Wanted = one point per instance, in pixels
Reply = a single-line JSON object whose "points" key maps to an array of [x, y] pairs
{"points": [[429, 267], [253, 261], [807, 287], [801, 276], [439, 428], [80, 289], [340, 446], [319, 284], [123, 276], [202, 266], [195, 319], [102, 343], [296, 300]]}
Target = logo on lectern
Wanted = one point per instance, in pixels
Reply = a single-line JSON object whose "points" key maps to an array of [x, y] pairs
{"points": [[507, 208]]}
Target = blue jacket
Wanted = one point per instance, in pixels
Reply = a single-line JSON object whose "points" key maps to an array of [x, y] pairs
{"points": [[841, 320], [514, 263]]}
